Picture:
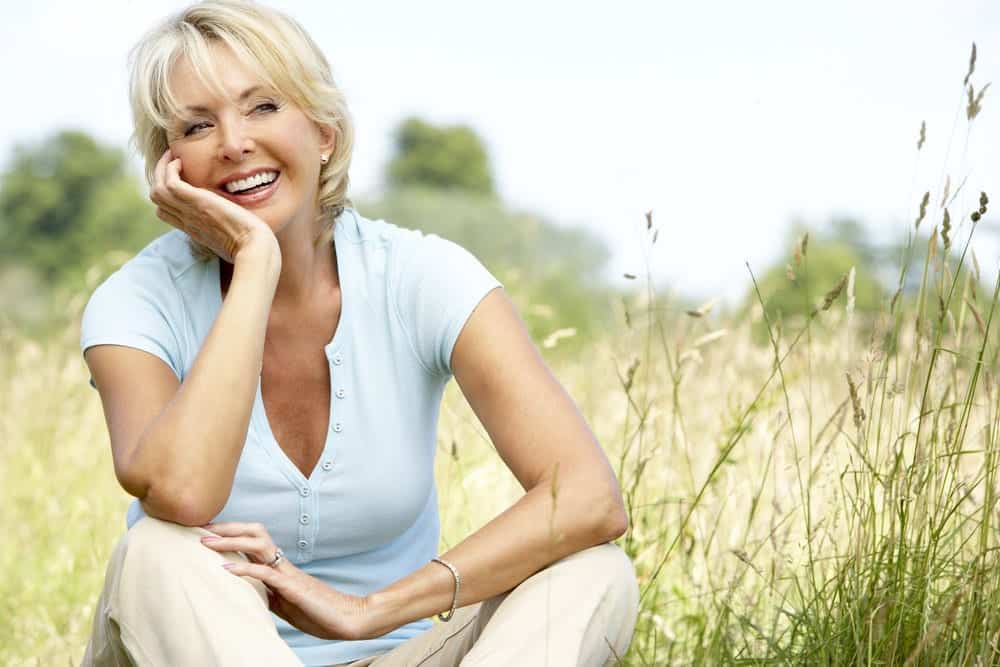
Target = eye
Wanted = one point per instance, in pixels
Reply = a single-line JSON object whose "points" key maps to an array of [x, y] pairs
{"points": [[266, 107], [194, 128]]}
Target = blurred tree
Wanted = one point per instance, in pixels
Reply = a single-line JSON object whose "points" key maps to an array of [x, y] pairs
{"points": [[797, 283], [552, 272], [439, 157], [66, 202]]}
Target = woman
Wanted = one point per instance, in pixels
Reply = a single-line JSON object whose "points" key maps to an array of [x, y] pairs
{"points": [[274, 365]]}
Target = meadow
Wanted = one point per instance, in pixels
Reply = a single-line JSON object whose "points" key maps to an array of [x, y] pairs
{"points": [[826, 497]]}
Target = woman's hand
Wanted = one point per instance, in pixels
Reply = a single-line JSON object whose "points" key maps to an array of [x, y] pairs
{"points": [[205, 216], [302, 600]]}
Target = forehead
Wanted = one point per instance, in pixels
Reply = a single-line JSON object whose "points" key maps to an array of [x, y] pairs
{"points": [[216, 77]]}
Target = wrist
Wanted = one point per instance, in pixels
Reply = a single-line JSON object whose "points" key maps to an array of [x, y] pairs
{"points": [[260, 256]]}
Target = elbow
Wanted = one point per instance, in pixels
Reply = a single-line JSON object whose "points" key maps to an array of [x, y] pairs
{"points": [[180, 505], [607, 518], [615, 518]]}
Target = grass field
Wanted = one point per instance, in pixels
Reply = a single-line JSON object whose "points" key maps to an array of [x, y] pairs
{"points": [[827, 499]]}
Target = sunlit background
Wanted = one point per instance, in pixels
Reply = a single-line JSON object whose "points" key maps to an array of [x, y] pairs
{"points": [[811, 474], [729, 120]]}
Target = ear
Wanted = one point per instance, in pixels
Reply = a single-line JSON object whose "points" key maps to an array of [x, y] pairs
{"points": [[327, 139]]}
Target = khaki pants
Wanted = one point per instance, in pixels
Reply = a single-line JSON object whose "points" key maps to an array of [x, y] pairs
{"points": [[167, 602]]}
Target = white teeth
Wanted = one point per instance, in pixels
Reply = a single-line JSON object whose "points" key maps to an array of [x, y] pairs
{"points": [[251, 181]]}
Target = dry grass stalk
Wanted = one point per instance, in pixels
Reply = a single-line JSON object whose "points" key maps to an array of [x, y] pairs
{"points": [[945, 228], [703, 309], [972, 65], [975, 101], [859, 412], [979, 318], [934, 630], [709, 337], [831, 296], [850, 292], [947, 191], [923, 209]]}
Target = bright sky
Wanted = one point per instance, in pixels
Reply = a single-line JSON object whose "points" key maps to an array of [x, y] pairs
{"points": [[727, 119]]}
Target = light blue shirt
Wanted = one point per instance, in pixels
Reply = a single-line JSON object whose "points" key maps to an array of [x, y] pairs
{"points": [[367, 515]]}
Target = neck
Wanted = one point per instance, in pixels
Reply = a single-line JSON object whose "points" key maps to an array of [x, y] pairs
{"points": [[307, 271]]}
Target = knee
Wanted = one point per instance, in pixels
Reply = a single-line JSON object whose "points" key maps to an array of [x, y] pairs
{"points": [[156, 547], [608, 567]]}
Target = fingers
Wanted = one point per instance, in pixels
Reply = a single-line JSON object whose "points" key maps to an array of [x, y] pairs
{"points": [[235, 529], [261, 549], [268, 575], [158, 190]]}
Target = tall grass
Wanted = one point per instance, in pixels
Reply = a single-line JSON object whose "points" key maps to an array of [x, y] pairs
{"points": [[830, 498]]}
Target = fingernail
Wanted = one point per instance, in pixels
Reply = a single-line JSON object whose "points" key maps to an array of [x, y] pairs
{"points": [[209, 538], [229, 566]]}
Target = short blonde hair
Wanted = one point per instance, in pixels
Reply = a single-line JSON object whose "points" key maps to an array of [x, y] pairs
{"points": [[272, 44]]}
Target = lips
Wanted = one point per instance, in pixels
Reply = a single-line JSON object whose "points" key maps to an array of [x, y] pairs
{"points": [[253, 197]]}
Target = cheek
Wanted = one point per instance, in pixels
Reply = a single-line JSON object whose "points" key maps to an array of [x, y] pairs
{"points": [[196, 163]]}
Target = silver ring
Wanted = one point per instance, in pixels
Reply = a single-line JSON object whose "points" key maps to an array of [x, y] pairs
{"points": [[278, 556]]}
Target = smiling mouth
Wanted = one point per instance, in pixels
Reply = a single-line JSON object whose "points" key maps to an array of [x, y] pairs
{"points": [[251, 184]]}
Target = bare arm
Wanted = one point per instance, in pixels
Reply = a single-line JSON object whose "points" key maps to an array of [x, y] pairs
{"points": [[536, 429], [176, 445]]}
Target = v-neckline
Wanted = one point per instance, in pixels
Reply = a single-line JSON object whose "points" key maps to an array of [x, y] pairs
{"points": [[258, 417]]}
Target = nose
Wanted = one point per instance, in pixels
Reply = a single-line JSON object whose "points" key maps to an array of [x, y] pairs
{"points": [[234, 142]]}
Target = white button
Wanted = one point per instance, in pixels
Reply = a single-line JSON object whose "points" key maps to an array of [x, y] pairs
{"points": [[338, 359], [327, 465], [341, 393], [338, 427], [304, 519], [304, 491], [303, 544]]}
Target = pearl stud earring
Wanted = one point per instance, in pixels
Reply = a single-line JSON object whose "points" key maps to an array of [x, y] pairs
{"points": [[323, 159]]}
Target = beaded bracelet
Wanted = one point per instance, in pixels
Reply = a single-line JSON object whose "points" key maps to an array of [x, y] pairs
{"points": [[458, 583]]}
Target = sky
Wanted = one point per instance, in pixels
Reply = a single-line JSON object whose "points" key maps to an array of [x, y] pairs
{"points": [[728, 120]]}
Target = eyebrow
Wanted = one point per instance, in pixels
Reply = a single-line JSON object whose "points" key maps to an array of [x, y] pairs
{"points": [[243, 96]]}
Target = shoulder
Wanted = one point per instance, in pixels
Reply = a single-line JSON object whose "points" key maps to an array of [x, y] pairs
{"points": [[356, 228], [161, 263], [403, 256], [151, 281]]}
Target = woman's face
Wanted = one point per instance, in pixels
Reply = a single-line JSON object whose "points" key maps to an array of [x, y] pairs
{"points": [[254, 148]]}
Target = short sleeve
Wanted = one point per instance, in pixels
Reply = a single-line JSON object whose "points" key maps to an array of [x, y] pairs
{"points": [[137, 306], [439, 284]]}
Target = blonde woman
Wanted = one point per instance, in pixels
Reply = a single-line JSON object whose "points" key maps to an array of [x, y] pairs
{"points": [[271, 372]]}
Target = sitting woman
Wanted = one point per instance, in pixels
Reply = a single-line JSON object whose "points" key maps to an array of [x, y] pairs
{"points": [[271, 372]]}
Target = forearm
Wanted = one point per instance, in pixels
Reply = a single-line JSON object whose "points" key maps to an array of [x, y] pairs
{"points": [[528, 536], [190, 452]]}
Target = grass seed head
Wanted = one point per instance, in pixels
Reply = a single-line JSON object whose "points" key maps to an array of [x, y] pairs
{"points": [[945, 228], [972, 65], [923, 209], [831, 296], [859, 412], [975, 104], [923, 135]]}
